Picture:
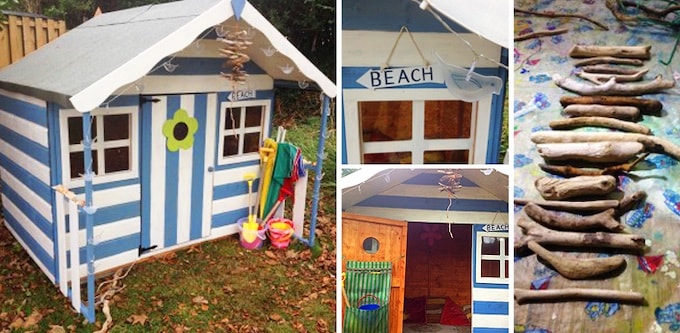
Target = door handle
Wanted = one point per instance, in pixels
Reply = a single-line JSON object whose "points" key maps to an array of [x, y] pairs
{"points": [[211, 169]]}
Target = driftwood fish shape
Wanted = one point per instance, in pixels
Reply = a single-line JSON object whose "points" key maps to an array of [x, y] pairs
{"points": [[466, 84]]}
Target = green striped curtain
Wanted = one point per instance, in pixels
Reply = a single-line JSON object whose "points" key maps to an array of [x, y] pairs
{"points": [[368, 291]]}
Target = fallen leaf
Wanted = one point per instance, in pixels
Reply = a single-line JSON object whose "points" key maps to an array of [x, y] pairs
{"points": [[270, 254], [291, 254], [17, 323], [275, 317], [199, 300], [56, 329], [137, 319]]}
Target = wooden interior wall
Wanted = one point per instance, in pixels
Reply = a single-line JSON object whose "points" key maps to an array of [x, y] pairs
{"points": [[21, 35], [436, 264]]}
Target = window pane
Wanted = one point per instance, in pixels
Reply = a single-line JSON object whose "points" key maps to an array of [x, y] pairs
{"points": [[232, 118], [116, 127], [386, 121], [116, 159], [251, 142], [491, 245], [390, 158], [77, 168], [507, 269], [75, 130], [446, 156], [491, 268], [230, 145], [447, 119], [253, 116]]}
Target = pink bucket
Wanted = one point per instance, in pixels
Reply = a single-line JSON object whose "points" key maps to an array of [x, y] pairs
{"points": [[251, 239], [280, 232]]}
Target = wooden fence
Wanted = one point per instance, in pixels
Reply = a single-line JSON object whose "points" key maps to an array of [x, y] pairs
{"points": [[23, 33]]}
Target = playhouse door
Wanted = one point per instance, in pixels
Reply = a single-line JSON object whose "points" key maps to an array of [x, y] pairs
{"points": [[177, 142], [367, 238]]}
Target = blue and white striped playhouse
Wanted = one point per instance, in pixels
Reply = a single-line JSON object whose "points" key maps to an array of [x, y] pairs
{"points": [[478, 216], [397, 104], [124, 130]]}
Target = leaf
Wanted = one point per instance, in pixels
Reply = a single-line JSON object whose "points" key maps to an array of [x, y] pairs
{"points": [[270, 254], [56, 329], [275, 317], [137, 319], [199, 300]]}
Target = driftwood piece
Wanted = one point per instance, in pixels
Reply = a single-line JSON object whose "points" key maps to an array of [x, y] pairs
{"points": [[537, 34], [588, 51], [572, 206], [606, 69], [569, 221], [658, 13], [523, 296], [652, 143], [560, 189], [552, 14], [630, 113], [605, 122], [598, 78], [540, 234], [608, 60], [629, 202], [597, 152], [571, 171], [612, 88], [646, 106], [577, 268]]}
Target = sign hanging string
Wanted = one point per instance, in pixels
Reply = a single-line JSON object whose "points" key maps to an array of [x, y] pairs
{"points": [[394, 47]]}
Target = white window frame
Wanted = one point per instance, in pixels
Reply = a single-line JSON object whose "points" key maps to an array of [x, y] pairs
{"points": [[99, 176], [417, 145], [264, 128], [502, 257]]}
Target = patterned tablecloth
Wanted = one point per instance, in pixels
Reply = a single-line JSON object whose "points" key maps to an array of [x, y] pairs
{"points": [[656, 273]]}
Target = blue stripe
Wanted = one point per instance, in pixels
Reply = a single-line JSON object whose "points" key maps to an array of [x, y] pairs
{"points": [[31, 213], [233, 189], [432, 178], [108, 186], [28, 179], [55, 177], [31, 112], [391, 15], [105, 215], [202, 66], [491, 329], [350, 75], [344, 136], [228, 218], [145, 165], [110, 248], [459, 205], [491, 308], [31, 243], [198, 170], [496, 119], [25, 145], [171, 183], [123, 100], [237, 165]]}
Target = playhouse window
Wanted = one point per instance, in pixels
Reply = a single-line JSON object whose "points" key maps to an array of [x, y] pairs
{"points": [[242, 125], [493, 258]]}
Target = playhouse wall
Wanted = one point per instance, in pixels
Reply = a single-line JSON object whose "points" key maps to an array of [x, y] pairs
{"points": [[490, 305], [25, 174]]}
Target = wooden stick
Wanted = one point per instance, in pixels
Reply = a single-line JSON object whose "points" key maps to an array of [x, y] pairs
{"points": [[608, 60], [652, 143], [630, 201], [598, 78], [560, 189], [549, 14], [646, 106], [588, 51], [597, 152], [630, 113], [537, 34], [571, 171], [577, 268], [605, 122], [540, 234], [572, 206], [523, 296], [568, 221], [612, 88], [606, 69], [651, 11]]}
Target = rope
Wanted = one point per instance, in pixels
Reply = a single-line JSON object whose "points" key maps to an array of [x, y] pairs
{"points": [[389, 57]]}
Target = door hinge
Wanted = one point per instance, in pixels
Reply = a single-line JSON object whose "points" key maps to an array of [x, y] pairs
{"points": [[142, 250]]}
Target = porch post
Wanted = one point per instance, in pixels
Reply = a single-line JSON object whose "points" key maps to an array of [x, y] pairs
{"points": [[318, 169], [89, 211]]}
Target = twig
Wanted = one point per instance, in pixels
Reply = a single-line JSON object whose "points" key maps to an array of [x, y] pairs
{"points": [[629, 113], [646, 106], [652, 11], [608, 60], [606, 69], [589, 51], [626, 126], [549, 14], [570, 171], [538, 34], [613, 88], [577, 268], [572, 206], [577, 294], [560, 189], [573, 222], [598, 78], [595, 152]]}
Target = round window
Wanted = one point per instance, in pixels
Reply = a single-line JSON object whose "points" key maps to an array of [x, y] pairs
{"points": [[371, 245]]}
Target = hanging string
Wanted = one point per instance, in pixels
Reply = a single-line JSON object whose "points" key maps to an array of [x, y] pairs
{"points": [[472, 49], [394, 47], [384, 177]]}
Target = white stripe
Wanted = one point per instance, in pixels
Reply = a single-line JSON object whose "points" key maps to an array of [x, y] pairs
{"points": [[117, 195], [356, 54], [61, 202], [194, 84], [25, 128], [231, 176], [428, 191], [231, 203], [211, 115], [158, 149], [433, 216], [43, 207], [186, 157], [299, 205], [44, 242], [109, 231], [75, 257], [24, 98], [490, 295], [108, 263], [29, 164], [30, 253], [490, 321], [226, 230]]}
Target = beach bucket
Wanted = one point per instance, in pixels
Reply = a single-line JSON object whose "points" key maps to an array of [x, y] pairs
{"points": [[251, 239], [280, 231]]}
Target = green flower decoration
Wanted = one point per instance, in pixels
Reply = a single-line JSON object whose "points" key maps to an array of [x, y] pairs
{"points": [[180, 130]]}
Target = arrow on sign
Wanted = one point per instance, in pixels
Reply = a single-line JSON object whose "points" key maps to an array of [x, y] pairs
{"points": [[401, 76]]}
